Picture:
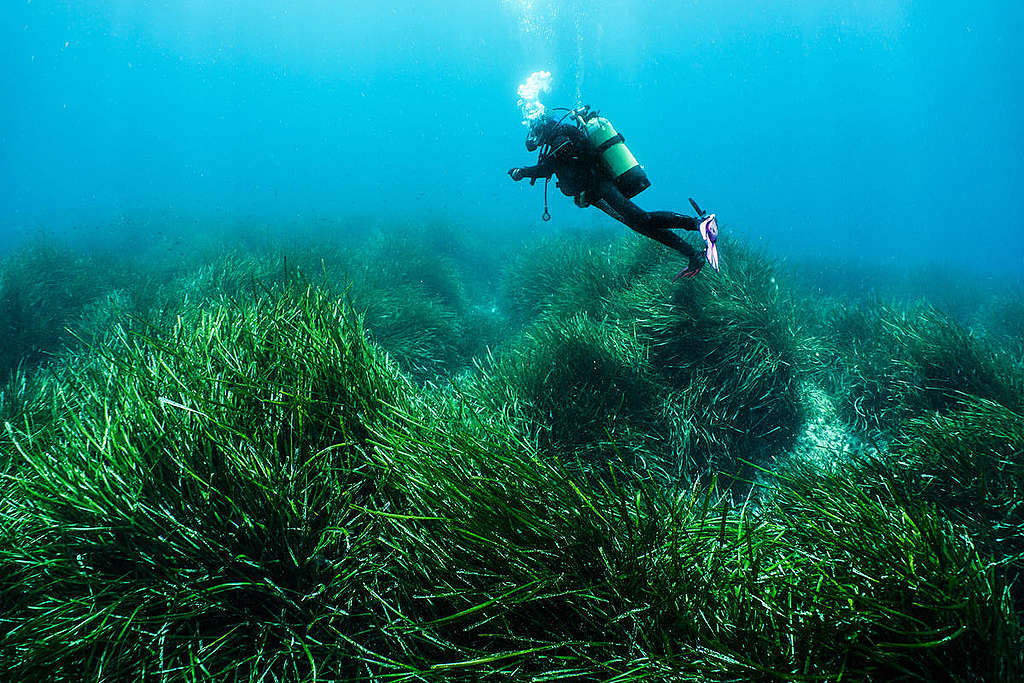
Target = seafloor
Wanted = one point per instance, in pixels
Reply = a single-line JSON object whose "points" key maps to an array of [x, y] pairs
{"points": [[415, 457]]}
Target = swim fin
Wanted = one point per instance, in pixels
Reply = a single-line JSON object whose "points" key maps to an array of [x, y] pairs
{"points": [[709, 231]]}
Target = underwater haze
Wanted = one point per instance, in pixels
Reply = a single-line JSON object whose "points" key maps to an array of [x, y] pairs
{"points": [[883, 131], [297, 385]]}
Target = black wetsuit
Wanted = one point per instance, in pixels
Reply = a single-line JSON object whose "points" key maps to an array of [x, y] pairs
{"points": [[582, 176]]}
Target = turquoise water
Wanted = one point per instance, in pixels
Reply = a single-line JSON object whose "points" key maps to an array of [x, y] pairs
{"points": [[880, 131], [296, 385]]}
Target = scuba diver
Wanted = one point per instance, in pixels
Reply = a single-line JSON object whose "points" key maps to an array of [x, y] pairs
{"points": [[595, 167]]}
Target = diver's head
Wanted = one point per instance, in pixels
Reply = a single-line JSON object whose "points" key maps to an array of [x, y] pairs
{"points": [[540, 129]]}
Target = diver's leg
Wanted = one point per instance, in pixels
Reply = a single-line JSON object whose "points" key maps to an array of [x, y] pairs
{"points": [[657, 225], [670, 220], [626, 211], [606, 207], [634, 216]]}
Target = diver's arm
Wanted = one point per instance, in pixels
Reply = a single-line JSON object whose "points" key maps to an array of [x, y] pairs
{"points": [[565, 148], [542, 170]]}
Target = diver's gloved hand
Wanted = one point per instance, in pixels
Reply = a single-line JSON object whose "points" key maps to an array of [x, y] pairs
{"points": [[516, 173]]}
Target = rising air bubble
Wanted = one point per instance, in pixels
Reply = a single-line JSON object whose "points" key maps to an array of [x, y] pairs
{"points": [[529, 95]]}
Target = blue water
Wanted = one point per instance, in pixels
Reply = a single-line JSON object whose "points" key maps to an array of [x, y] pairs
{"points": [[884, 130]]}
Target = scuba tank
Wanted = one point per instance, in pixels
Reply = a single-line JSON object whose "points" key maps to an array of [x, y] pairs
{"points": [[610, 146]]}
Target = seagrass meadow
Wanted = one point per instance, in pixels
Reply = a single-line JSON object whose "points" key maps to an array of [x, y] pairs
{"points": [[406, 457]]}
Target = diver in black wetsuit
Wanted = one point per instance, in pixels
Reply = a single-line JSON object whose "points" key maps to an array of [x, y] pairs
{"points": [[567, 152]]}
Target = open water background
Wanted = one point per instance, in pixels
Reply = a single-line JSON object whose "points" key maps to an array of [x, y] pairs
{"points": [[884, 131]]}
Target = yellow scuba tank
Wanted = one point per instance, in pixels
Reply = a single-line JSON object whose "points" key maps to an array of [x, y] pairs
{"points": [[627, 172]]}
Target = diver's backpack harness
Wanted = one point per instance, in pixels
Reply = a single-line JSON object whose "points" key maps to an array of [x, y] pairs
{"points": [[605, 143]]}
